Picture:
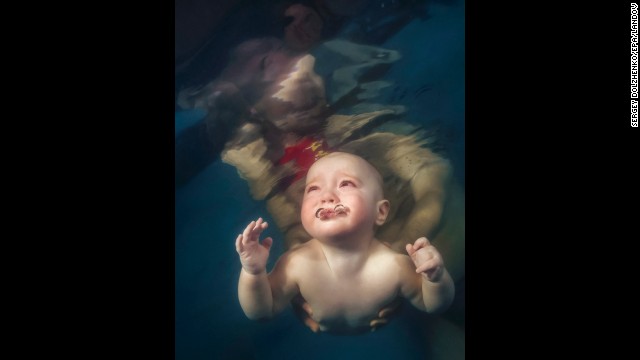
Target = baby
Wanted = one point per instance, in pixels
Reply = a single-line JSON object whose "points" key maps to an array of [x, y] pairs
{"points": [[344, 273]]}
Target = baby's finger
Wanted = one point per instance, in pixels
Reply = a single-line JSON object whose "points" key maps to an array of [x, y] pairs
{"points": [[424, 267], [260, 226], [428, 265], [267, 242], [248, 229], [420, 243], [252, 233], [410, 249], [239, 247]]}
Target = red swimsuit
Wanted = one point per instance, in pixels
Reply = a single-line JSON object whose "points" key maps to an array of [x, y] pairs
{"points": [[304, 153]]}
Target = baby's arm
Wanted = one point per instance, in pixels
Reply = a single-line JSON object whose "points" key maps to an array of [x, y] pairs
{"points": [[433, 289], [261, 295]]}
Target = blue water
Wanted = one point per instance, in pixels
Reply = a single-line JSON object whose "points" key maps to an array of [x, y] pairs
{"points": [[215, 206]]}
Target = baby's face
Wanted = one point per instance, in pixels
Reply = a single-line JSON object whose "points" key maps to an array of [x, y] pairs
{"points": [[343, 198]]}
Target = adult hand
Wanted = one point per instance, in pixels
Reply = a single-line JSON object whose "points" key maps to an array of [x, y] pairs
{"points": [[303, 310]]}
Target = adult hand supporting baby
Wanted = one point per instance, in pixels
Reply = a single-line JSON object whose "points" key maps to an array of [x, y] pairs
{"points": [[303, 310]]}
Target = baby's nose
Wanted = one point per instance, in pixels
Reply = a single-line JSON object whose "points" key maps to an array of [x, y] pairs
{"points": [[329, 197]]}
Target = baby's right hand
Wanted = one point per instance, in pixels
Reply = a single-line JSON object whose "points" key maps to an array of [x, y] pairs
{"points": [[253, 255]]}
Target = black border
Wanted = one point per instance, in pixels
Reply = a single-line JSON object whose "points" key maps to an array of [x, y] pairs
{"points": [[550, 156], [110, 167]]}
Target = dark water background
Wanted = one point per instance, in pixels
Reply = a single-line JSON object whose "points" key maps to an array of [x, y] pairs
{"points": [[215, 206]]}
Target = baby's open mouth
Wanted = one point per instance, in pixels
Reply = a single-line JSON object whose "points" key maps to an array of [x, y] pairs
{"points": [[325, 213]]}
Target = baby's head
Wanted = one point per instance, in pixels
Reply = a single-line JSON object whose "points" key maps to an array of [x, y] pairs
{"points": [[343, 197]]}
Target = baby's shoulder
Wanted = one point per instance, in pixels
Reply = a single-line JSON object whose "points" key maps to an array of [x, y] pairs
{"points": [[384, 253], [386, 256]]}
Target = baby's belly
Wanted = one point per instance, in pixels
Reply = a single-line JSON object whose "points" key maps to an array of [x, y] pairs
{"points": [[352, 312]]}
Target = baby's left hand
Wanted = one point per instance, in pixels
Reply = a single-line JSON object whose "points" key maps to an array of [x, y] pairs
{"points": [[426, 258]]}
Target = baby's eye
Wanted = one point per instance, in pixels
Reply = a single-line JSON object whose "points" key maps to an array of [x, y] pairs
{"points": [[347, 183], [312, 188]]}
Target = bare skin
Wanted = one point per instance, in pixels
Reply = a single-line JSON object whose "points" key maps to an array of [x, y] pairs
{"points": [[345, 275]]}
